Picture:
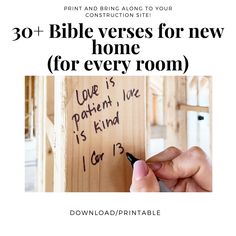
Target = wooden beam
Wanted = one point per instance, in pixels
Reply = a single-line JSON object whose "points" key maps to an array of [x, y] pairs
{"points": [[181, 115], [51, 139], [41, 112], [50, 98], [60, 133], [51, 134], [154, 109], [50, 150], [186, 107], [31, 107], [148, 114], [105, 119], [175, 119], [49, 167]]}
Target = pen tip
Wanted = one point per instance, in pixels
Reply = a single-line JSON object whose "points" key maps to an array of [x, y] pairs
{"points": [[131, 158]]}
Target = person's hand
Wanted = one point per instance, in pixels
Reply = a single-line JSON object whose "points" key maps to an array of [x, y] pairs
{"points": [[143, 180], [188, 171]]}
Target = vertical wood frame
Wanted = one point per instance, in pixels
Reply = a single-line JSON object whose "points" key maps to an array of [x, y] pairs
{"points": [[41, 114], [113, 172], [60, 134], [176, 120]]}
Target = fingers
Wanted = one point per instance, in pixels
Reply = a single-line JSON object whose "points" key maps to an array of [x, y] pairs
{"points": [[143, 179], [192, 163], [187, 185], [155, 162], [168, 154], [189, 171]]}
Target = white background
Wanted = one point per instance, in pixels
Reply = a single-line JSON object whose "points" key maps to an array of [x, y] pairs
{"points": [[181, 213]]}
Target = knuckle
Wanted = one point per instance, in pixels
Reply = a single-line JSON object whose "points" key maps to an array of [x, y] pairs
{"points": [[196, 152], [173, 150]]}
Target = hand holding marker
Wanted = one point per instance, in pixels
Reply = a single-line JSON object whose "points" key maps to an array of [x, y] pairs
{"points": [[133, 159], [188, 171]]}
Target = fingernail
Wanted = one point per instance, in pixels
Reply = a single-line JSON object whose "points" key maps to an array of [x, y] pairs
{"points": [[155, 166], [140, 169]]}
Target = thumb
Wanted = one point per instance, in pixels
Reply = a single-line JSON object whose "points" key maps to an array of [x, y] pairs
{"points": [[143, 179]]}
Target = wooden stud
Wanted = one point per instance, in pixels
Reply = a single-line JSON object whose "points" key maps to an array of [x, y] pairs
{"points": [[95, 157], [176, 124], [149, 114], [50, 133], [60, 133], [40, 101], [181, 115], [49, 167], [50, 142], [31, 107]]}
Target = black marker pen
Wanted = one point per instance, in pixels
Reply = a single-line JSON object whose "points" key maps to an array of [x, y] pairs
{"points": [[131, 158]]}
